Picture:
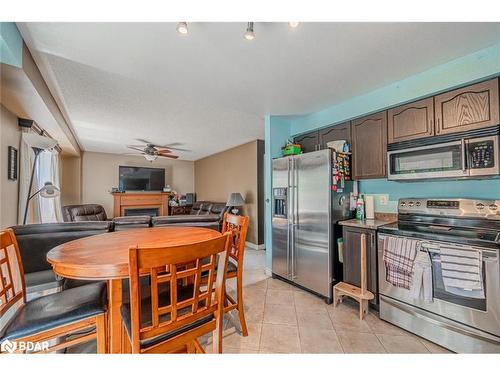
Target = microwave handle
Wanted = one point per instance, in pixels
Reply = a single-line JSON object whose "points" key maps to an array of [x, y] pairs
{"points": [[464, 155]]}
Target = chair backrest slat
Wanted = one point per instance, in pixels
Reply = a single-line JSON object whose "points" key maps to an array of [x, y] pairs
{"points": [[178, 294], [12, 285], [238, 225]]}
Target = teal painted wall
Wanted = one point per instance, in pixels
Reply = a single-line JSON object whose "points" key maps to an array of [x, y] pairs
{"points": [[475, 67], [11, 45], [276, 131]]}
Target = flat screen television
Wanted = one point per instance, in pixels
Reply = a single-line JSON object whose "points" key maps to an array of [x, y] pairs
{"points": [[141, 178]]}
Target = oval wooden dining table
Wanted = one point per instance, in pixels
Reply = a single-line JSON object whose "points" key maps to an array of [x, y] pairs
{"points": [[104, 257]]}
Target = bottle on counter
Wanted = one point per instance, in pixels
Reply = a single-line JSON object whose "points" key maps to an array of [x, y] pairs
{"points": [[360, 209]]}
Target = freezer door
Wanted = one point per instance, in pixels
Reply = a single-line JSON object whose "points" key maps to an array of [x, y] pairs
{"points": [[280, 222], [311, 250]]}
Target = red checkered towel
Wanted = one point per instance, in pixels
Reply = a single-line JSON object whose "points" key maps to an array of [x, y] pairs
{"points": [[399, 257]]}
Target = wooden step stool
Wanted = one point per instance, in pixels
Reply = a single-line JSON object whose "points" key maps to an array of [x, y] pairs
{"points": [[361, 295]]}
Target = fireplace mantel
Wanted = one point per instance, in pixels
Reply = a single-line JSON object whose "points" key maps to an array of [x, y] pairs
{"points": [[123, 201]]}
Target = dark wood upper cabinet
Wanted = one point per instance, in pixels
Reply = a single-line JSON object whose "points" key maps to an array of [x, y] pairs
{"points": [[369, 144], [468, 108], [308, 141], [335, 133], [411, 121]]}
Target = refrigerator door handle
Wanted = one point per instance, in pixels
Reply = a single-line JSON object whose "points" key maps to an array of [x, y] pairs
{"points": [[289, 220], [292, 226], [295, 217]]}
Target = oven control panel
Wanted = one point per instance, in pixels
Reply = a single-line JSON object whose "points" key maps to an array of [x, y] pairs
{"points": [[489, 209]]}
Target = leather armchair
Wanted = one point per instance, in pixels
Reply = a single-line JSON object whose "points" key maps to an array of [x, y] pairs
{"points": [[84, 212], [203, 214], [36, 240]]}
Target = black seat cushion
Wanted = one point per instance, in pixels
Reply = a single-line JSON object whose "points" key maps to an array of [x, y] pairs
{"points": [[146, 317], [55, 310], [75, 283]]}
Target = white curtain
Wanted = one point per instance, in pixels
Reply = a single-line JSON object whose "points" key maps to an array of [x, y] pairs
{"points": [[26, 159], [40, 210]]}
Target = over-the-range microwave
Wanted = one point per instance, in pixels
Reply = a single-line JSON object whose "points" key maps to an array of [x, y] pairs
{"points": [[471, 154]]}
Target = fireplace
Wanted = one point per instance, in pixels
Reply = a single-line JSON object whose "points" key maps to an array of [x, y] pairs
{"points": [[152, 204], [143, 211]]}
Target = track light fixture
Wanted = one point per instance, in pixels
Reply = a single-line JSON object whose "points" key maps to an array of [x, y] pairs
{"points": [[249, 34], [293, 25], [182, 28]]}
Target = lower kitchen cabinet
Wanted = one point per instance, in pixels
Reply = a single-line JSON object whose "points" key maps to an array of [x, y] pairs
{"points": [[352, 258]]}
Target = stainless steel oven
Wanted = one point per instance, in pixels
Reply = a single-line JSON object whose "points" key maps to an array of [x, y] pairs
{"points": [[461, 155], [464, 321]]}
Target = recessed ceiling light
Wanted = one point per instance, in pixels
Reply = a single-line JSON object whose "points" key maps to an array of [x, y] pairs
{"points": [[293, 25], [182, 28], [249, 34]]}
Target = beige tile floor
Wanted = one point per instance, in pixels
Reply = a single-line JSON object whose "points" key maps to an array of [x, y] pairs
{"points": [[285, 319]]}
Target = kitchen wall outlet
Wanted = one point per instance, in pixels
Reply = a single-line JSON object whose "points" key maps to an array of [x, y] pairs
{"points": [[383, 199]]}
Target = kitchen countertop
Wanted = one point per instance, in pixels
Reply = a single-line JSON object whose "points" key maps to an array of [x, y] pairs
{"points": [[366, 224]]}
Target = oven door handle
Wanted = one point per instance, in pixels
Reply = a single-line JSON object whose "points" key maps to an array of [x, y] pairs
{"points": [[486, 255]]}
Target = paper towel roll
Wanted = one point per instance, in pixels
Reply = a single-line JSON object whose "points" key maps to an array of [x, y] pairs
{"points": [[369, 207]]}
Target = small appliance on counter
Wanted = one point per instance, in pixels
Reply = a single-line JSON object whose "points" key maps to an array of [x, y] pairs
{"points": [[459, 239]]}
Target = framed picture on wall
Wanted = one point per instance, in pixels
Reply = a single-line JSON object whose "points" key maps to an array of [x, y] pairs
{"points": [[12, 168]]}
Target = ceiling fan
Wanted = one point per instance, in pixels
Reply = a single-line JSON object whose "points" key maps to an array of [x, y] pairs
{"points": [[151, 151]]}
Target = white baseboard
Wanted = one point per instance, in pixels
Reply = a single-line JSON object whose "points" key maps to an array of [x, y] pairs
{"points": [[253, 246]]}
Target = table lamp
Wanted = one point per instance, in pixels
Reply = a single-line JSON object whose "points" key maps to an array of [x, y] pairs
{"points": [[235, 200]]}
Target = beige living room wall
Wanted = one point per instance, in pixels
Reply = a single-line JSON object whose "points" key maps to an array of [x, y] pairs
{"points": [[71, 182], [10, 135], [100, 174], [232, 171]]}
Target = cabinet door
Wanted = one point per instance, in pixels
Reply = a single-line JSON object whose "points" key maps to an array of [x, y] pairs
{"points": [[352, 258], [468, 108], [308, 141], [411, 121], [369, 143], [335, 133]]}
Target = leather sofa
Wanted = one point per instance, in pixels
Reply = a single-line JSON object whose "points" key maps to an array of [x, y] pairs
{"points": [[203, 214], [84, 212], [36, 240]]}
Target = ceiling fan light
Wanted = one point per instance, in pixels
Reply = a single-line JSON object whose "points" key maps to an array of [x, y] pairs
{"points": [[249, 34], [150, 157], [182, 28], [293, 25]]}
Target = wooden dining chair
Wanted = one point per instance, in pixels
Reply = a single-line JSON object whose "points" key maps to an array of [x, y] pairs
{"points": [[174, 315], [49, 323], [238, 226]]}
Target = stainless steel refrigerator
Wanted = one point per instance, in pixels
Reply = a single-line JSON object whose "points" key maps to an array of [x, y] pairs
{"points": [[304, 212]]}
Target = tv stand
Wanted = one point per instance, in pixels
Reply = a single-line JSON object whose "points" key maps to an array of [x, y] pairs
{"points": [[122, 201]]}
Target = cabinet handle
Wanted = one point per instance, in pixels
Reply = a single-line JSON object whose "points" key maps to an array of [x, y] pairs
{"points": [[438, 130]]}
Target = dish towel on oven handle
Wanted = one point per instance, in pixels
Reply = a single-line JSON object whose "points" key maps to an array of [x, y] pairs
{"points": [[421, 284], [462, 269], [399, 257]]}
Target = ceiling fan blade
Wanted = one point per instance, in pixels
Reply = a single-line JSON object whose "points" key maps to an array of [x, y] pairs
{"points": [[164, 151], [136, 148], [168, 156], [143, 141], [133, 153], [172, 148]]}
